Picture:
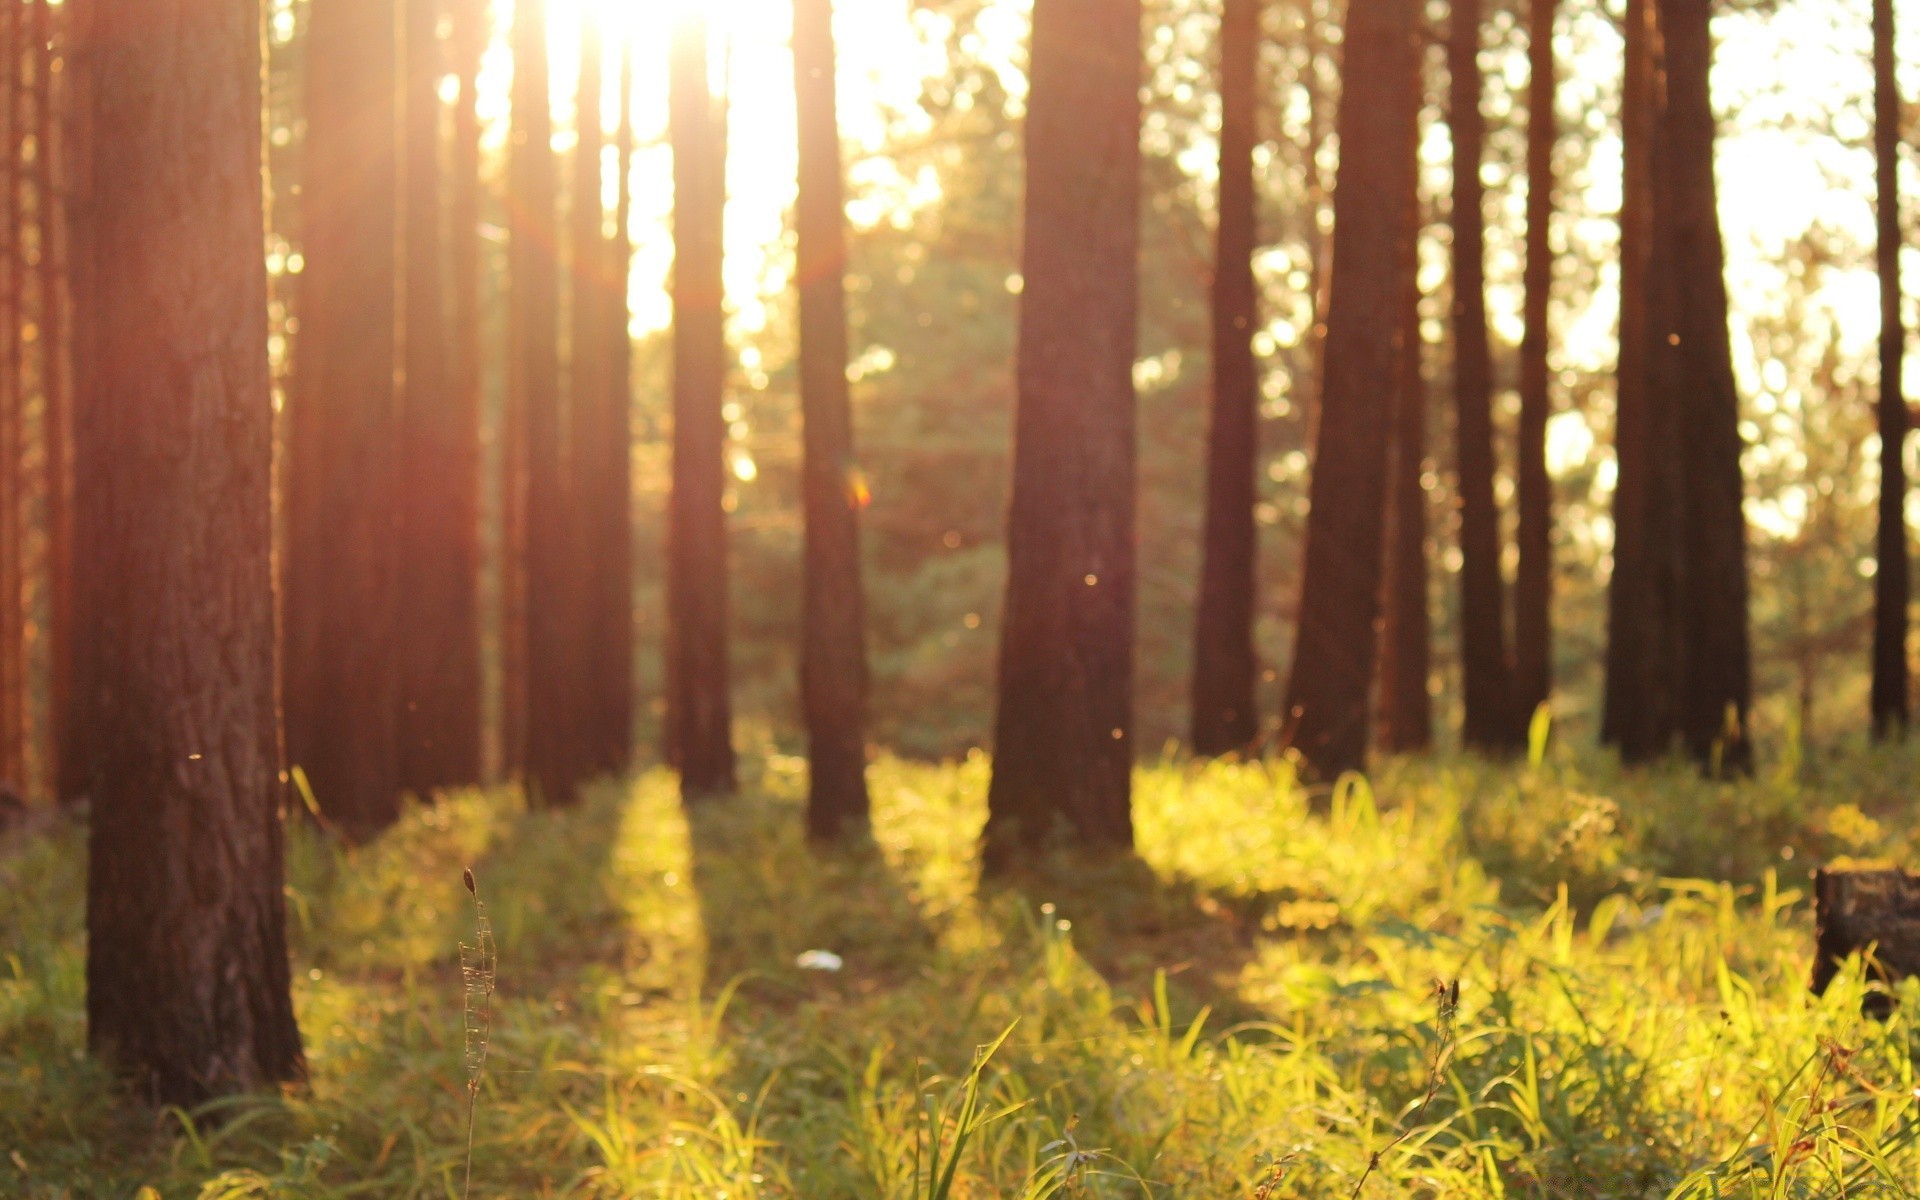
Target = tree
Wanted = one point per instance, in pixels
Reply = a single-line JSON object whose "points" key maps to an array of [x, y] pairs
{"points": [[468, 42], [1891, 583], [1483, 640], [56, 132], [345, 438], [1533, 581], [440, 498], [1062, 754], [1224, 715], [187, 975], [1327, 691], [15, 115], [699, 709], [833, 654]]}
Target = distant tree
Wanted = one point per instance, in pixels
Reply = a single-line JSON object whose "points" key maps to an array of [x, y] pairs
{"points": [[440, 480], [1224, 716], [1533, 581], [16, 116], [54, 131], [1062, 750], [467, 43], [699, 709], [1327, 694], [187, 975], [1892, 592], [345, 437], [833, 654]]}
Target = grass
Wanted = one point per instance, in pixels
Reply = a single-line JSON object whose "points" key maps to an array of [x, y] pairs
{"points": [[1262, 999]]}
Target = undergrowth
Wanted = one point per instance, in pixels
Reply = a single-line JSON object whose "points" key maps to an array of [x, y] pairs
{"points": [[1461, 981]]}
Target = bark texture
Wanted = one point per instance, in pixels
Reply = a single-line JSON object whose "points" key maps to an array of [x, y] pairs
{"points": [[833, 652], [1892, 588], [1533, 581], [1224, 715], [1333, 666], [1063, 756], [187, 977]]}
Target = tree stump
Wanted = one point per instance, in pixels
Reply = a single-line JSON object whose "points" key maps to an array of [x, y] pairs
{"points": [[1858, 908]]}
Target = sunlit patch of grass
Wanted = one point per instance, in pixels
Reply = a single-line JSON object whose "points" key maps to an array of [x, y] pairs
{"points": [[1249, 1002]]}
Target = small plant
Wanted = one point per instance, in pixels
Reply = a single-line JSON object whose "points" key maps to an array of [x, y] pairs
{"points": [[477, 963], [1446, 994]]}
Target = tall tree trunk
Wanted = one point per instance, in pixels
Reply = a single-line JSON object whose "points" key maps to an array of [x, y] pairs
{"points": [[465, 337], [13, 683], [1224, 716], [440, 518], [1533, 582], [1891, 587], [187, 976], [699, 708], [1327, 692], [72, 660], [343, 481], [1406, 632], [1063, 754], [55, 40], [1483, 641], [833, 653]]}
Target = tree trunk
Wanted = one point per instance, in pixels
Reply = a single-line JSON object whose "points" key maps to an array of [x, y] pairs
{"points": [[440, 516], [1533, 582], [56, 326], [13, 683], [1483, 642], [1062, 735], [1406, 632], [187, 976], [1891, 587], [72, 656], [1224, 716], [1327, 692], [833, 654], [343, 479], [465, 337], [699, 709]]}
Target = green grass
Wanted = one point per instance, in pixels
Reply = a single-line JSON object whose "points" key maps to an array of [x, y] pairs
{"points": [[1249, 1003]]}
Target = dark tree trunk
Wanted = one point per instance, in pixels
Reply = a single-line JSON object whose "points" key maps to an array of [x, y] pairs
{"points": [[440, 516], [1327, 692], [343, 480], [464, 368], [1483, 642], [699, 708], [13, 682], [1063, 754], [833, 653], [1406, 632], [187, 977], [1891, 588], [1533, 581], [1224, 716]]}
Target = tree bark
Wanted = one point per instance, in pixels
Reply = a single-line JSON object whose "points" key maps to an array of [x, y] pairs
{"points": [[56, 185], [464, 379], [1533, 581], [13, 352], [343, 479], [1224, 717], [187, 975], [1892, 592], [1327, 691], [440, 500], [699, 708], [1063, 756], [833, 653], [72, 658]]}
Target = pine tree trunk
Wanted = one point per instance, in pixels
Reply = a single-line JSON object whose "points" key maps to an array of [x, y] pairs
{"points": [[440, 518], [13, 682], [1063, 754], [1406, 632], [1892, 592], [1327, 693], [1533, 581], [465, 337], [343, 480], [1483, 642], [699, 708], [1224, 716], [833, 655], [72, 661], [187, 975], [55, 39]]}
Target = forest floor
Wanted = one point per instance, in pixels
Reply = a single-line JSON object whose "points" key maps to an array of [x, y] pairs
{"points": [[1253, 998]]}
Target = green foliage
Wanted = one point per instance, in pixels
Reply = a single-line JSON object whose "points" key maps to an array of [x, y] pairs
{"points": [[1249, 1003]]}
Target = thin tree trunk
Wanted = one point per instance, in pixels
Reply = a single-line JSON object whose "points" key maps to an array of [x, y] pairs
{"points": [[464, 368], [1533, 581], [343, 482], [1224, 716], [57, 386], [1063, 754], [13, 686], [187, 975], [699, 709], [1892, 592], [833, 653], [73, 662], [1327, 693]]}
